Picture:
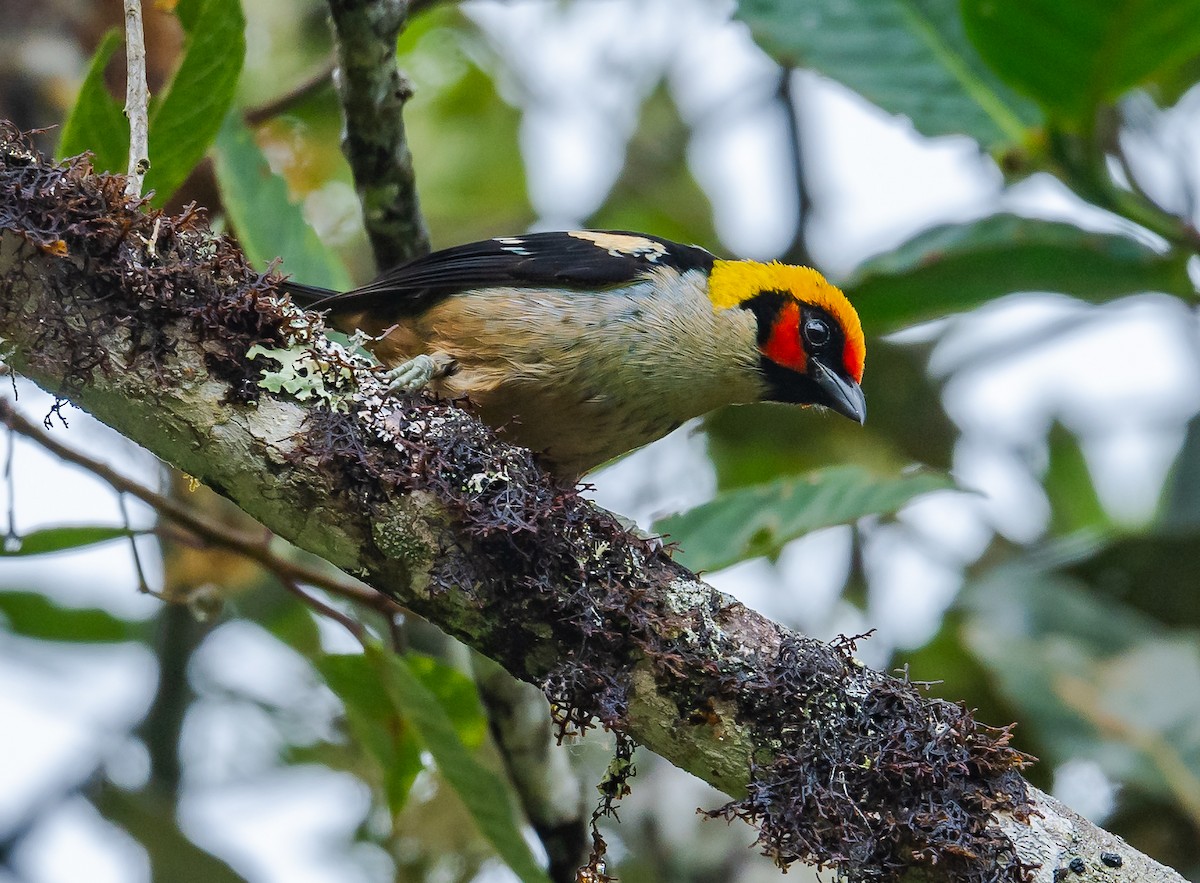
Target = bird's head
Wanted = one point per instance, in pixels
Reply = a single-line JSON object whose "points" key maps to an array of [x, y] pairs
{"points": [[810, 341]]}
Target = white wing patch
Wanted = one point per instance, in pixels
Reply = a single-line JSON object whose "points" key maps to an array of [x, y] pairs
{"points": [[512, 244], [619, 245]]}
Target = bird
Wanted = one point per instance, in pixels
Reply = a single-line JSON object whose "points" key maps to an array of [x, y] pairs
{"points": [[583, 345]]}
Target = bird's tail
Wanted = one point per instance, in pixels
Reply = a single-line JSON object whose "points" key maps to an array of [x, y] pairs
{"points": [[306, 295]]}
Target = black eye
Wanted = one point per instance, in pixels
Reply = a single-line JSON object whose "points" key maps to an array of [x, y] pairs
{"points": [[816, 332]]}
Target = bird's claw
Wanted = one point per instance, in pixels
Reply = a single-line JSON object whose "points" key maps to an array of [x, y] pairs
{"points": [[413, 375]]}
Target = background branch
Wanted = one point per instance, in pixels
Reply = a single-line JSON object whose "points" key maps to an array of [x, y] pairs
{"points": [[373, 92]]}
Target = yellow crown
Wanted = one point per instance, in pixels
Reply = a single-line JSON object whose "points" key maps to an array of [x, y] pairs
{"points": [[732, 283]]}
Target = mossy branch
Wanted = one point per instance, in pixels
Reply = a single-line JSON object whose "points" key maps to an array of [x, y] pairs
{"points": [[146, 321], [373, 92]]}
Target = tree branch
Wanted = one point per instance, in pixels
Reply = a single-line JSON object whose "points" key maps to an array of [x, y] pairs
{"points": [[373, 93], [137, 98], [833, 762]]}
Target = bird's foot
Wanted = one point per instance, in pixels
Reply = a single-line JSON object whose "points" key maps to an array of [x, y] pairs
{"points": [[413, 375]]}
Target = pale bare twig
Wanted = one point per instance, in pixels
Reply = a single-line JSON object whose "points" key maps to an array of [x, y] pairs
{"points": [[137, 99], [256, 116]]}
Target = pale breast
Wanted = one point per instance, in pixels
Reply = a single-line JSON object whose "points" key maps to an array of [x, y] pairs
{"points": [[582, 377]]}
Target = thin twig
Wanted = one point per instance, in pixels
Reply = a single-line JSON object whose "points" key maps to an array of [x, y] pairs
{"points": [[137, 99], [10, 536], [256, 116], [143, 586], [349, 623], [253, 547], [797, 250]]}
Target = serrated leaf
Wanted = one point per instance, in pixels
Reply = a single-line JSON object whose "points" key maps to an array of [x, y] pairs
{"points": [[961, 266], [61, 539], [184, 122], [96, 122], [909, 57], [762, 519], [268, 224], [1071, 55], [482, 791], [33, 615]]}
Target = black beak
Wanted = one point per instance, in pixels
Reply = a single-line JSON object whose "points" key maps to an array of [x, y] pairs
{"points": [[841, 394]]}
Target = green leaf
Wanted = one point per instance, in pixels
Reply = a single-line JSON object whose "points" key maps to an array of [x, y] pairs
{"points": [[97, 122], [268, 224], [393, 752], [1072, 55], [1172, 85], [186, 120], [1074, 505], [761, 519], [961, 266], [385, 732], [1091, 678], [484, 793], [61, 539], [35, 616], [456, 694], [910, 57]]}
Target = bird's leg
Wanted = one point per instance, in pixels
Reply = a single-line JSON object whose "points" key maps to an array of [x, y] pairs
{"points": [[418, 372]]}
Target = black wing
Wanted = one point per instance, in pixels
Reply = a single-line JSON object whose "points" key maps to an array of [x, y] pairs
{"points": [[579, 260]]}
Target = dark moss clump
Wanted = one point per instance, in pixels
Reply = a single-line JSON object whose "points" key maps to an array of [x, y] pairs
{"points": [[146, 274], [876, 778]]}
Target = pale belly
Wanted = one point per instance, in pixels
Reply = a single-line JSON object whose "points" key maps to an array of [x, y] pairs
{"points": [[574, 428]]}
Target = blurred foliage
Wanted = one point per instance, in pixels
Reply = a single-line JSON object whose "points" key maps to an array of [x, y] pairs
{"points": [[1086, 635], [763, 518], [463, 135], [267, 221], [58, 539], [956, 267], [656, 190], [1094, 51], [909, 57]]}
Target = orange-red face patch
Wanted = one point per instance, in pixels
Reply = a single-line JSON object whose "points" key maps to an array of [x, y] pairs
{"points": [[783, 346], [854, 354]]}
